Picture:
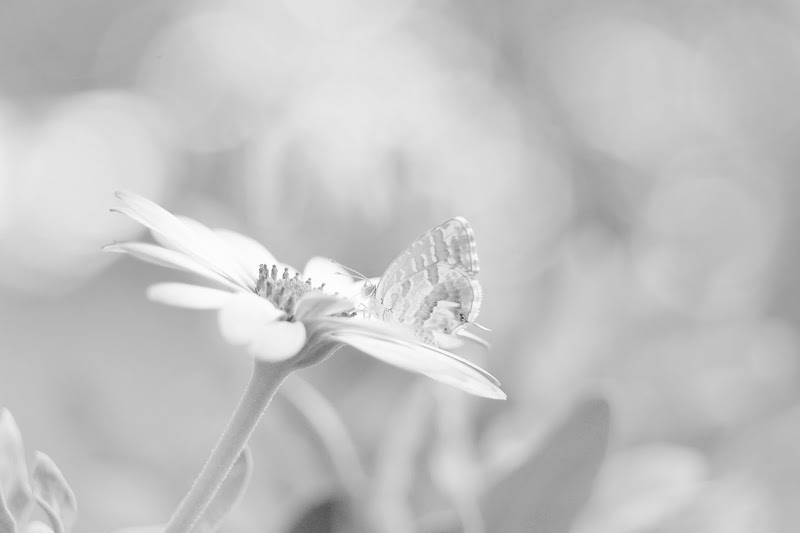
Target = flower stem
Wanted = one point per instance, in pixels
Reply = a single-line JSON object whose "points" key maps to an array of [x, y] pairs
{"points": [[264, 382]]}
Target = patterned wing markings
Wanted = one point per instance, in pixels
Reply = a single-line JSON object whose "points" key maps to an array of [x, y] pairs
{"points": [[438, 298], [451, 242], [431, 286]]}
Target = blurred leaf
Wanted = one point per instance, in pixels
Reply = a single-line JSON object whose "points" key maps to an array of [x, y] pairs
{"points": [[38, 527], [445, 521], [52, 490], [330, 430], [228, 495], [14, 483], [546, 493], [453, 460], [6, 520], [331, 515], [143, 529], [640, 487], [396, 462]]}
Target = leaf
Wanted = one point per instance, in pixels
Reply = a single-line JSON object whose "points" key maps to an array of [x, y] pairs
{"points": [[228, 495], [331, 515], [7, 523], [50, 488], [408, 430], [14, 483], [38, 527], [546, 493], [330, 430], [453, 463], [642, 486], [143, 529]]}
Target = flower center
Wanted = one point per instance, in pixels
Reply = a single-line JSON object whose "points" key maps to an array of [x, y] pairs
{"points": [[283, 291]]}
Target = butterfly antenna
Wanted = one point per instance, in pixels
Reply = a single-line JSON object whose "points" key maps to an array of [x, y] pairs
{"points": [[484, 328], [367, 283], [351, 270]]}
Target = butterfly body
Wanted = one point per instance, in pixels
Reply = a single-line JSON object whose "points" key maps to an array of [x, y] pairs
{"points": [[431, 286]]}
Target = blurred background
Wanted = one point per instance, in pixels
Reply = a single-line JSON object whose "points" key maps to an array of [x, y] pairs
{"points": [[629, 169]]}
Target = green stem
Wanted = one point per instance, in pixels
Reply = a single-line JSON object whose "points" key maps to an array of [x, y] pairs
{"points": [[264, 382]]}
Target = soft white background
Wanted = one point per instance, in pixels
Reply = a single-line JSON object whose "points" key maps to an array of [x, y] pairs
{"points": [[630, 169]]}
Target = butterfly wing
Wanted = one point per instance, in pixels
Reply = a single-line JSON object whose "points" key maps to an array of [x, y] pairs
{"points": [[431, 286], [451, 242], [440, 297]]}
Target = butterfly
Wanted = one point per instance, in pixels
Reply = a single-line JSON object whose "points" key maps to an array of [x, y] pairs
{"points": [[431, 287]]}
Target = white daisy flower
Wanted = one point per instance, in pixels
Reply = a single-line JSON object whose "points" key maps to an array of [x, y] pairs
{"points": [[274, 310]]}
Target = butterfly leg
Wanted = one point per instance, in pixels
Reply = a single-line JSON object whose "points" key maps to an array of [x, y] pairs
{"points": [[363, 309]]}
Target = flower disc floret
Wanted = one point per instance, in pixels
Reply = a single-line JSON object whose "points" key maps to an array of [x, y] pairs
{"points": [[285, 291]]}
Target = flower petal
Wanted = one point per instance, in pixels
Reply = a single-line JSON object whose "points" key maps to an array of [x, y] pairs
{"points": [[474, 338], [243, 317], [380, 341], [130, 213], [182, 237], [157, 255], [189, 296], [249, 252], [460, 339], [447, 342], [278, 341], [317, 304], [229, 257], [324, 270]]}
